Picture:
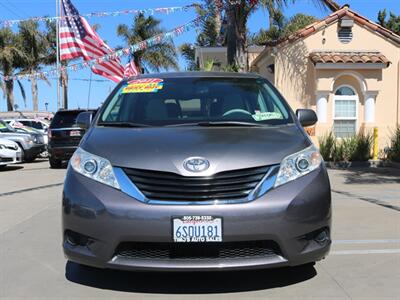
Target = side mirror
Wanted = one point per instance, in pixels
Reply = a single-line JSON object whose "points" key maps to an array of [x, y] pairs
{"points": [[84, 120], [307, 117]]}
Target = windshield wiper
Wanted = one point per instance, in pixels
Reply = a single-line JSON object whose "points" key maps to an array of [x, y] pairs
{"points": [[218, 123], [122, 124]]}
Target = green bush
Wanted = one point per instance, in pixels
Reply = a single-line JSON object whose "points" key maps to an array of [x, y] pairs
{"points": [[356, 148], [394, 151], [326, 146]]}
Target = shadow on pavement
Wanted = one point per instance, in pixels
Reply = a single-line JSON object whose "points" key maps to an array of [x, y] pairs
{"points": [[372, 176], [187, 283], [11, 168]]}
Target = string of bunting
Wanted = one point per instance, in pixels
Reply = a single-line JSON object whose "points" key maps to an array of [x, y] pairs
{"points": [[155, 40], [150, 11]]}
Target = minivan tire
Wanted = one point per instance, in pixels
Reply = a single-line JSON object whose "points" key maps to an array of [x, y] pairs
{"points": [[55, 163]]}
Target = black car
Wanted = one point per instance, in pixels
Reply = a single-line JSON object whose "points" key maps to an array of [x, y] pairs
{"points": [[64, 136]]}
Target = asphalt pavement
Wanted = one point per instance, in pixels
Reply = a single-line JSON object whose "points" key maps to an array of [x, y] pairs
{"points": [[364, 262]]}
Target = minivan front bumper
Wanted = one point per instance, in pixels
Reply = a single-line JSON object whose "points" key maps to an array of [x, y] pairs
{"points": [[98, 219]]}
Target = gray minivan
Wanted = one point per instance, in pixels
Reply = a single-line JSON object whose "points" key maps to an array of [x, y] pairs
{"points": [[196, 171]]}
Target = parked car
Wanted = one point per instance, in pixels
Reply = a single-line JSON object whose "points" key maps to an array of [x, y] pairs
{"points": [[38, 124], [10, 153], [196, 171], [64, 136], [32, 144], [20, 127]]}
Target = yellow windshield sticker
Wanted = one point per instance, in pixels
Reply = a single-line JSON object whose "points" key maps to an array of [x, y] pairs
{"points": [[145, 85], [263, 116]]}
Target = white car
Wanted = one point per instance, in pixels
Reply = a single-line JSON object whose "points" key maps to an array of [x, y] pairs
{"points": [[10, 153]]}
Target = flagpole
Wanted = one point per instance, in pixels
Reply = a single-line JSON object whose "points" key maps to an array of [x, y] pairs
{"points": [[58, 53], [90, 88]]}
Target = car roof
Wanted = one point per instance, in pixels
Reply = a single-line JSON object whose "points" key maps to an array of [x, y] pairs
{"points": [[73, 110], [196, 74]]}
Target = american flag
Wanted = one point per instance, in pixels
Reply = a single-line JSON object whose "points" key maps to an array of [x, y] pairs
{"points": [[78, 39], [130, 69]]}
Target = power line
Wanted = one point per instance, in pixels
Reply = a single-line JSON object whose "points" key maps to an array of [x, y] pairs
{"points": [[17, 8], [10, 10]]}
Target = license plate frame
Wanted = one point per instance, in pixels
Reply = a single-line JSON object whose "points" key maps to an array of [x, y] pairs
{"points": [[200, 225], [75, 133]]}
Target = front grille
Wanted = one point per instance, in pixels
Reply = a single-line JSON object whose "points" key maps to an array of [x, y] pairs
{"points": [[166, 186], [197, 251]]}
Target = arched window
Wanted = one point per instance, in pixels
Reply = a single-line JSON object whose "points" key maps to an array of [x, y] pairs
{"points": [[345, 112]]}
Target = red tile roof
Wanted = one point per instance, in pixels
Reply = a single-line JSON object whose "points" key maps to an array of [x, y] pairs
{"points": [[351, 57], [344, 11]]}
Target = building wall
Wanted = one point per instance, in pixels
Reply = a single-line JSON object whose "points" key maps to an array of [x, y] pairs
{"points": [[299, 81]]}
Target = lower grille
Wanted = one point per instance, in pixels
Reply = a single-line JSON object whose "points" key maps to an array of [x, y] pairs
{"points": [[197, 251], [6, 159], [166, 186]]}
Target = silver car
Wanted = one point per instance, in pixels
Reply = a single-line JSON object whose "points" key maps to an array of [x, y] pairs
{"points": [[194, 172]]}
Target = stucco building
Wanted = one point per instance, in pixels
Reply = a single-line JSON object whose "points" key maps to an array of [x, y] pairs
{"points": [[345, 67]]}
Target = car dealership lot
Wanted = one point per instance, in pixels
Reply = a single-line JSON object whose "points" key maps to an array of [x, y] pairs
{"points": [[364, 260]]}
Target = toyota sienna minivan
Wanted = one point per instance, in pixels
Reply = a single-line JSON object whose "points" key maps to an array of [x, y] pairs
{"points": [[196, 172]]}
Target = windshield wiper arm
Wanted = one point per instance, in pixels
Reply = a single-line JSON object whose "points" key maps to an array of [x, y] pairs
{"points": [[218, 123], [122, 124]]}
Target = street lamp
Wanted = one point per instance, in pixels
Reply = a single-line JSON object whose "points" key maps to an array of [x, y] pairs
{"points": [[46, 104]]}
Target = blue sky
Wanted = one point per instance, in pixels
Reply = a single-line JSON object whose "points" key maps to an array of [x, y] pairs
{"points": [[79, 90]]}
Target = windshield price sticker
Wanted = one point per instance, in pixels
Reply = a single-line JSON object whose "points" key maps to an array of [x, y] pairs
{"points": [[145, 85], [263, 116], [197, 229]]}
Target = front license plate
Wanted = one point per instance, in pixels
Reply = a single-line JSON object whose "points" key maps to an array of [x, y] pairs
{"points": [[197, 229], [75, 133]]}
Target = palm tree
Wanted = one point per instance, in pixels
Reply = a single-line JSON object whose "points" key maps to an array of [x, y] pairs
{"points": [[281, 28], [238, 13], [11, 59], [155, 57], [33, 43]]}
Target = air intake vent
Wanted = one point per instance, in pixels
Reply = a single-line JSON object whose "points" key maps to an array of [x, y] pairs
{"points": [[345, 35]]}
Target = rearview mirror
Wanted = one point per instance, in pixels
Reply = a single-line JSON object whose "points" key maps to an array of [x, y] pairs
{"points": [[307, 117], [84, 120]]}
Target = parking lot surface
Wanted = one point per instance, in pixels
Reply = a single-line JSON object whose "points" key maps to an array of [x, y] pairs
{"points": [[364, 262]]}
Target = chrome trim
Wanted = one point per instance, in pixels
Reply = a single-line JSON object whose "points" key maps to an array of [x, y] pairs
{"points": [[129, 188]]}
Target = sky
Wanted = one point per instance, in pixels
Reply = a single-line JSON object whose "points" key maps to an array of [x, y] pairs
{"points": [[79, 95]]}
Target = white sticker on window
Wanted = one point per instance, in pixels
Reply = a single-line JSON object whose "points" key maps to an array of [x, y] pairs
{"points": [[263, 116]]}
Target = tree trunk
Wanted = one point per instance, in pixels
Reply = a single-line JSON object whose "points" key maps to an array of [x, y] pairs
{"points": [[64, 83], [10, 95], [236, 37], [35, 101]]}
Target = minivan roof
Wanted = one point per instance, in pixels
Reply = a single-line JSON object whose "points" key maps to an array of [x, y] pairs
{"points": [[197, 74]]}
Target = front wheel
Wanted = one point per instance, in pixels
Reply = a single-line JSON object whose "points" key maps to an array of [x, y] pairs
{"points": [[55, 163]]}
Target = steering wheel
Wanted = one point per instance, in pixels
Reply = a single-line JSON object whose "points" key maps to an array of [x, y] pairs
{"points": [[237, 110]]}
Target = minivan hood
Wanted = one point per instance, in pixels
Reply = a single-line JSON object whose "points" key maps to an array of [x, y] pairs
{"points": [[166, 148]]}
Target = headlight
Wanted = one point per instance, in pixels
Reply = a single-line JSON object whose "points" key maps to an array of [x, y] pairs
{"points": [[298, 164], [94, 167]]}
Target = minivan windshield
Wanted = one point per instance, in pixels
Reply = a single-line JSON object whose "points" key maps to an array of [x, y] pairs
{"points": [[195, 100]]}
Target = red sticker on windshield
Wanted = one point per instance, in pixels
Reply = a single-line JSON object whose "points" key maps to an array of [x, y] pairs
{"points": [[144, 85]]}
